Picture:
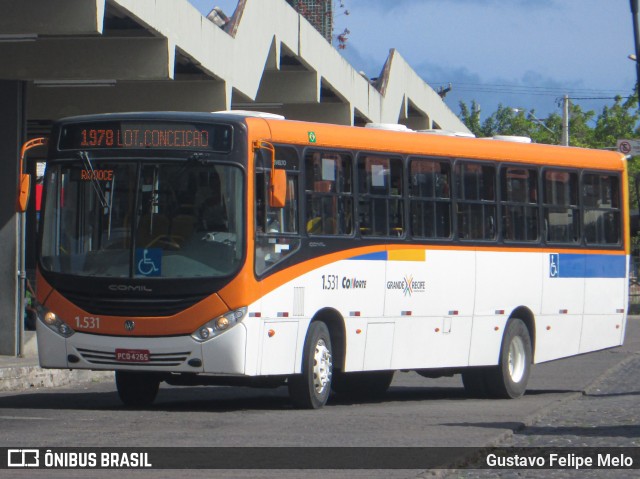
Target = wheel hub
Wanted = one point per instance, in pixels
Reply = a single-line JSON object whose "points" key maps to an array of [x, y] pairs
{"points": [[517, 358], [322, 367]]}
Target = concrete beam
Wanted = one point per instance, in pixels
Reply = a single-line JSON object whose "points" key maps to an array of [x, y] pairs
{"points": [[54, 103], [52, 17], [289, 87], [88, 59], [181, 23], [273, 59], [416, 123], [266, 32], [337, 113], [415, 118]]}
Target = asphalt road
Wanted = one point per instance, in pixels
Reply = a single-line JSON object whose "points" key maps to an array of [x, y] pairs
{"points": [[415, 412]]}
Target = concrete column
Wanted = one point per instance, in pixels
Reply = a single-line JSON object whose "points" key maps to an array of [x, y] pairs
{"points": [[12, 128]]}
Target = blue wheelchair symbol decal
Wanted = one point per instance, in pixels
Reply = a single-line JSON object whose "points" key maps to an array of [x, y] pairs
{"points": [[554, 265], [149, 261]]}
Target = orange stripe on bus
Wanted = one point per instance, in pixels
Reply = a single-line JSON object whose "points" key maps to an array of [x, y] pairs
{"points": [[406, 254]]}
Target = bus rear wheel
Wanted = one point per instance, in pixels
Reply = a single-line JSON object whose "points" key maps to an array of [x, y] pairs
{"points": [[137, 389], [509, 379], [310, 390], [362, 385]]}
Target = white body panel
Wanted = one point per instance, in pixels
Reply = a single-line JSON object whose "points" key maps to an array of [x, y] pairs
{"points": [[407, 309]]}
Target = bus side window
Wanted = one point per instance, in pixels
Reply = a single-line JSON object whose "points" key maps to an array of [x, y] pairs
{"points": [[380, 205], [475, 192], [430, 198], [519, 204], [329, 194], [601, 215], [561, 212]]}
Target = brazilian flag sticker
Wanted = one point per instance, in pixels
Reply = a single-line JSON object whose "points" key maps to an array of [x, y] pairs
{"points": [[312, 136]]}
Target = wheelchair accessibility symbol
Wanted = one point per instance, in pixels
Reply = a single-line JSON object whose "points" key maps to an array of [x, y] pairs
{"points": [[148, 261], [554, 265]]}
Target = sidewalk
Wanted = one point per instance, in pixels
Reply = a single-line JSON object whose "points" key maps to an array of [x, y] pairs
{"points": [[19, 373]]}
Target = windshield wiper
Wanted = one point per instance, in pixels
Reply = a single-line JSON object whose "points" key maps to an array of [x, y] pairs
{"points": [[201, 158], [84, 156]]}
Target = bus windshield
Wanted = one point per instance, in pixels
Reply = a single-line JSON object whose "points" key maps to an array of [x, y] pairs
{"points": [[137, 219]]}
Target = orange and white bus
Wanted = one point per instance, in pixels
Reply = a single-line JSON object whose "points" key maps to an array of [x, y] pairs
{"points": [[197, 248]]}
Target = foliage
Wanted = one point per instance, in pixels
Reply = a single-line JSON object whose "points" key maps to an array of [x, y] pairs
{"points": [[617, 122], [614, 122]]}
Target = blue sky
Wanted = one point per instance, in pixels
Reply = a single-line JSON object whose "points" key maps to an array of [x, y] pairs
{"points": [[521, 53]]}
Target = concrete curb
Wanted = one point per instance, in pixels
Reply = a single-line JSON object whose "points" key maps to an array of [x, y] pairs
{"points": [[20, 378], [20, 374]]}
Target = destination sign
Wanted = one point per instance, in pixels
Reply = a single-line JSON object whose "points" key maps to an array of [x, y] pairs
{"points": [[154, 135]]}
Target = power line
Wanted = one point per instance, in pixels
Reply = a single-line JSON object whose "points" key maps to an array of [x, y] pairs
{"points": [[600, 97], [532, 87], [546, 87], [535, 90]]}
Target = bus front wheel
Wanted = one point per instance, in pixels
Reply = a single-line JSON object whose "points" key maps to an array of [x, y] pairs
{"points": [[509, 379], [310, 390], [137, 389]]}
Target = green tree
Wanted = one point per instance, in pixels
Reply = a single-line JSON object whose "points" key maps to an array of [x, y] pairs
{"points": [[506, 121], [617, 121], [580, 133], [614, 122], [471, 117]]}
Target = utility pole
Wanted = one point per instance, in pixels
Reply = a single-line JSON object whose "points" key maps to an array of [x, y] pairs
{"points": [[565, 121]]}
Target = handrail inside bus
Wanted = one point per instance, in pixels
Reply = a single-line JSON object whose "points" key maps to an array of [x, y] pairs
{"points": [[278, 180], [25, 178]]}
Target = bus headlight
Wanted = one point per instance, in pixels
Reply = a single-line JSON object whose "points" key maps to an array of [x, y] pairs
{"points": [[53, 322], [217, 326]]}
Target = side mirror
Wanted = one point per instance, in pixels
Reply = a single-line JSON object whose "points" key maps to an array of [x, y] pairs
{"points": [[25, 179]]}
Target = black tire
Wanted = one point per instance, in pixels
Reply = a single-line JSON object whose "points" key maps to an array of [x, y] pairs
{"points": [[362, 385], [310, 390], [137, 389], [474, 381], [509, 379]]}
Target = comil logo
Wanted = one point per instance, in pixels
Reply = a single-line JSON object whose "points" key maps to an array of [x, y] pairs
{"points": [[23, 458]]}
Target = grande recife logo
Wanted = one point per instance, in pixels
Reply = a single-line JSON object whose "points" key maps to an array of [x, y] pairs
{"points": [[407, 285]]}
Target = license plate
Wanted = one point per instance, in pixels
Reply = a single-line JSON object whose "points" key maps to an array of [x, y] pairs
{"points": [[132, 355]]}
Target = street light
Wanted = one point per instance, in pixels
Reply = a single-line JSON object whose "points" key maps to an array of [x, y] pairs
{"points": [[534, 118], [636, 38]]}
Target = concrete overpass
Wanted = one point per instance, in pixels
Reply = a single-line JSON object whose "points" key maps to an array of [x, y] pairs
{"points": [[68, 57]]}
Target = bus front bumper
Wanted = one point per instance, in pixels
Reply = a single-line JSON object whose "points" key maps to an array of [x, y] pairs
{"points": [[224, 354]]}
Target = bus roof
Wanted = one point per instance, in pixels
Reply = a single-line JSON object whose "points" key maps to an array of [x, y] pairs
{"points": [[415, 143]]}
